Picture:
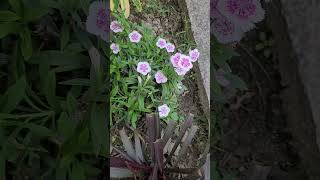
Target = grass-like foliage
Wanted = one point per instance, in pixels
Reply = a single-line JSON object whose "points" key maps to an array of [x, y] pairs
{"points": [[53, 92]]}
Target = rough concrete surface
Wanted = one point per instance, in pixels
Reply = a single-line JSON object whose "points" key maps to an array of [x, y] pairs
{"points": [[291, 27], [198, 11], [303, 20]]}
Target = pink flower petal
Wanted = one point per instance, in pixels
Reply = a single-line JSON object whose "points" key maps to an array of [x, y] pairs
{"points": [[97, 20], [175, 59], [116, 27], [194, 55], [244, 13], [180, 71], [170, 47], [160, 77], [161, 43], [224, 29], [143, 68], [135, 36], [185, 62]]}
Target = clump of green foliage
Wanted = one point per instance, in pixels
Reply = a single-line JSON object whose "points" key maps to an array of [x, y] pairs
{"points": [[53, 100], [134, 94]]}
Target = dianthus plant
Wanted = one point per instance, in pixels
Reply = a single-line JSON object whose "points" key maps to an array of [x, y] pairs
{"points": [[146, 72]]}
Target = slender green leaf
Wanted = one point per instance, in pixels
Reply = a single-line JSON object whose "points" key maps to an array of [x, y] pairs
{"points": [[50, 3], [50, 90], [36, 130], [76, 82], [95, 58], [69, 68], [7, 28], [99, 127], [8, 16], [213, 169], [138, 5], [91, 170], [39, 131], [26, 43], [2, 166], [64, 36], [17, 6], [84, 39], [14, 95], [236, 82], [141, 102], [35, 97], [34, 13], [66, 126], [83, 137], [59, 58], [4, 58], [84, 5], [61, 173], [77, 172], [71, 104]]}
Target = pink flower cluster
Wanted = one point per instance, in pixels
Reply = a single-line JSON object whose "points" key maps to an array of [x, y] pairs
{"points": [[183, 63], [230, 19], [162, 43]]}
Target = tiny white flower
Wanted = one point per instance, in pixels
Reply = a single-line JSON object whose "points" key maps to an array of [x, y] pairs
{"points": [[161, 43], [115, 48], [170, 47], [164, 111]]}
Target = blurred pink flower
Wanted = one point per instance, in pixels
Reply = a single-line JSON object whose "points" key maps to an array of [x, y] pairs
{"points": [[175, 59], [160, 77], [185, 62], [97, 20], [244, 13], [164, 111], [170, 47], [224, 30], [116, 27], [232, 18], [161, 43], [194, 55], [115, 48], [135, 36], [143, 68]]}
